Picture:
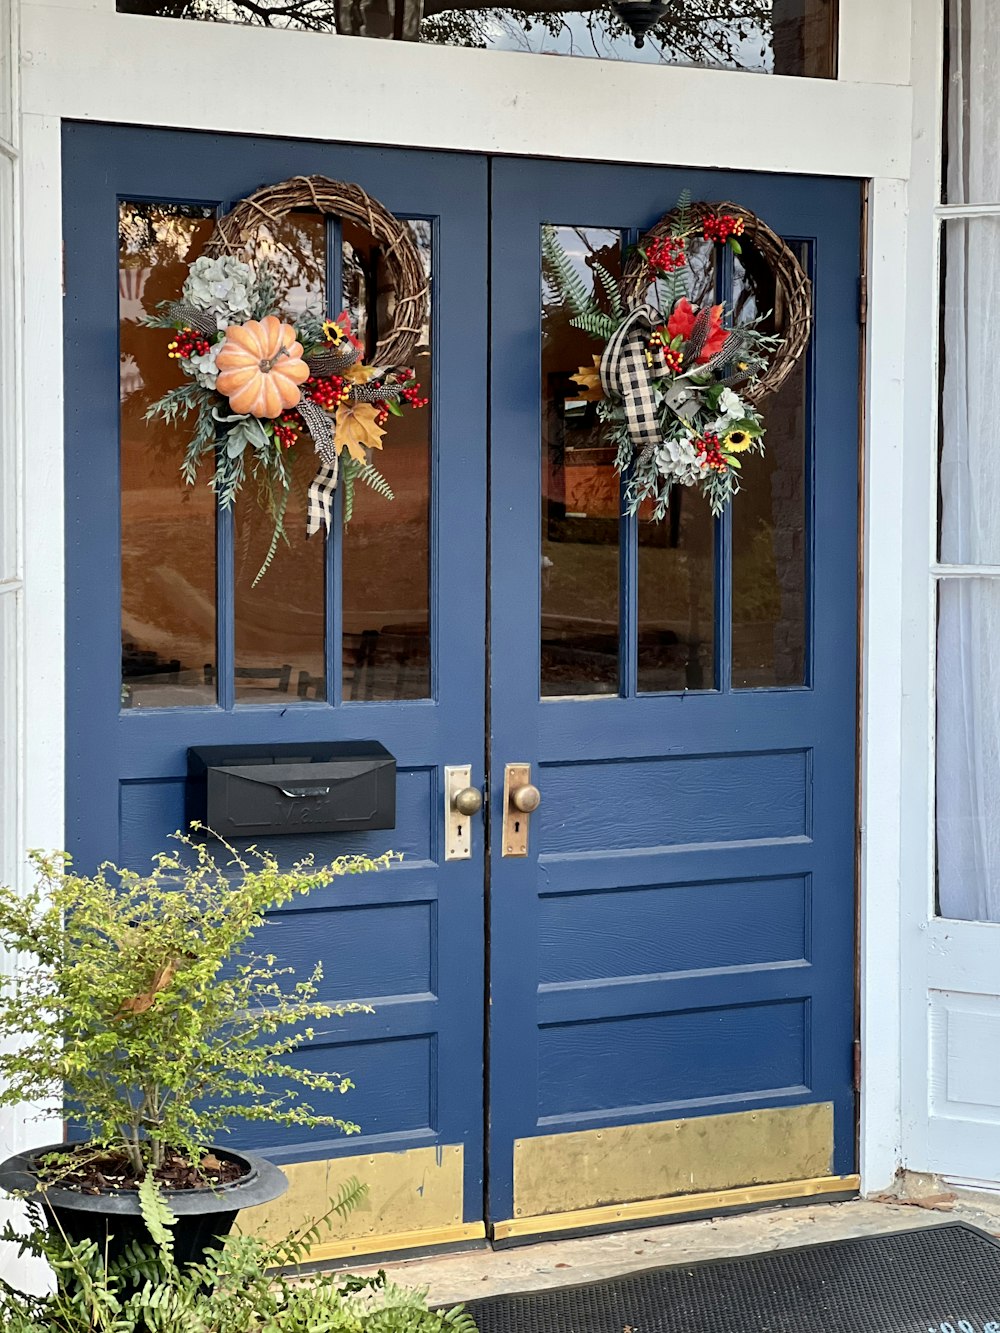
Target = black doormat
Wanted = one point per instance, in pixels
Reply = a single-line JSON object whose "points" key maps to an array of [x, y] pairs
{"points": [[942, 1279]]}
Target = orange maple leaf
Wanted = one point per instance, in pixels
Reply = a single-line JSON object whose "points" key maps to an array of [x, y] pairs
{"points": [[357, 430], [590, 382]]}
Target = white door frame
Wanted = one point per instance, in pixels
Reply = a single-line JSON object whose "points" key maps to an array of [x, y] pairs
{"points": [[81, 60]]}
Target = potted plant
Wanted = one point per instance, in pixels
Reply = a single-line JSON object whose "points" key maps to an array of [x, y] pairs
{"points": [[249, 1286], [141, 999]]}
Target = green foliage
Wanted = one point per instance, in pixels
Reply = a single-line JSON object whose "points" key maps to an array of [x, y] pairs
{"points": [[596, 323], [563, 278], [146, 1003], [611, 291], [352, 472], [234, 1290], [264, 292]]}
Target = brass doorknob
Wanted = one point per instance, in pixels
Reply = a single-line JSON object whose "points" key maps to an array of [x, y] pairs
{"points": [[526, 799], [468, 801]]}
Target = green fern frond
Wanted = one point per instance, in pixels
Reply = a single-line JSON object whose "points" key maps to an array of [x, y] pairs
{"points": [[348, 1197], [563, 278], [375, 481], [158, 1218], [683, 209], [597, 324], [611, 290], [347, 475]]}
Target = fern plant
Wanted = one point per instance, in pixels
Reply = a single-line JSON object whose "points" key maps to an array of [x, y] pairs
{"points": [[249, 1286]]}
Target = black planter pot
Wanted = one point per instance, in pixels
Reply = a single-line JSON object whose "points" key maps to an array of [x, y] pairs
{"points": [[113, 1218]]}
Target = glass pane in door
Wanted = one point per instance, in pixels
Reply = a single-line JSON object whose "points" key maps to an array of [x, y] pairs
{"points": [[676, 583], [770, 533], [280, 622], [386, 543], [581, 499], [168, 527]]}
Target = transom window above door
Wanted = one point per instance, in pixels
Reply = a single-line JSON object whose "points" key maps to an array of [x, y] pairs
{"points": [[343, 619], [792, 37]]}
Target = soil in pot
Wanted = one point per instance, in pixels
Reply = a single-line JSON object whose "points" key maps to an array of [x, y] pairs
{"points": [[205, 1203], [93, 1173]]}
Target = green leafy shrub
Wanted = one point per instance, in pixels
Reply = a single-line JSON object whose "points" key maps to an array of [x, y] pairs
{"points": [[142, 998], [233, 1291]]}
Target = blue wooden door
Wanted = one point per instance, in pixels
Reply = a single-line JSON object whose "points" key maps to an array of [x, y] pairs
{"points": [[670, 974], [344, 642], [672, 995]]}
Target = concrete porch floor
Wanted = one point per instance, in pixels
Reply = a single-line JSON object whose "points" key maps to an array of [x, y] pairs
{"points": [[451, 1278]]}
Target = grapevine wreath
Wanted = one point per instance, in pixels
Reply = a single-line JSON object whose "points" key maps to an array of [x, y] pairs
{"points": [[258, 386]]}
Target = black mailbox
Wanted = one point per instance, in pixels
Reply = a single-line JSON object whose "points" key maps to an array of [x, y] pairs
{"points": [[244, 791]]}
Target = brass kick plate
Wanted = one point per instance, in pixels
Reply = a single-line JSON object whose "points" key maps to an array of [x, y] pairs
{"points": [[515, 822], [457, 827]]}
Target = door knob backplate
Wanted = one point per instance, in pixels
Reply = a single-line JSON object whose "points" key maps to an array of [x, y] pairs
{"points": [[520, 798], [462, 801]]}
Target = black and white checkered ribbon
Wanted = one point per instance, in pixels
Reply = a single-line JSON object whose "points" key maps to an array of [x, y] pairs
{"points": [[322, 427], [627, 375], [319, 502]]}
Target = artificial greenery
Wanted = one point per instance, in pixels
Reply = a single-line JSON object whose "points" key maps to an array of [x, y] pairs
{"points": [[234, 1290], [145, 1001]]}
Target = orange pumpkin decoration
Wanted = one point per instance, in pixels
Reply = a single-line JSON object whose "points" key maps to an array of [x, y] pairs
{"points": [[261, 367]]}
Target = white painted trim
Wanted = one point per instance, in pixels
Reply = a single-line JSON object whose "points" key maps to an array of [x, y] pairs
{"points": [[918, 565], [496, 101], [874, 45], [44, 639], [967, 210], [881, 719]]}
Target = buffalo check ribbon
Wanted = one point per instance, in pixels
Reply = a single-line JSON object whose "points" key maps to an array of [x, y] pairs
{"points": [[626, 374], [319, 502]]}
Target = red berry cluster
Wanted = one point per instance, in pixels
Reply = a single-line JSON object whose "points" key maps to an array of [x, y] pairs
{"points": [[329, 391], [381, 414], [187, 343], [721, 226], [666, 254], [659, 341], [711, 455], [412, 396], [287, 429]]}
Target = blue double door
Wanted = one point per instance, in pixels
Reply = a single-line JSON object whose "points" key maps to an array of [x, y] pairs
{"points": [[637, 998]]}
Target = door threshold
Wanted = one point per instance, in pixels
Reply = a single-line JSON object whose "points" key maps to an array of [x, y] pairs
{"points": [[680, 1208], [369, 1250]]}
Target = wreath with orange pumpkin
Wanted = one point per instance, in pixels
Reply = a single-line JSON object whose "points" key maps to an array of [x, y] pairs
{"points": [[258, 387]]}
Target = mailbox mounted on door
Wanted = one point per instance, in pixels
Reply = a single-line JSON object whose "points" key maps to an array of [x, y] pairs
{"points": [[244, 791]]}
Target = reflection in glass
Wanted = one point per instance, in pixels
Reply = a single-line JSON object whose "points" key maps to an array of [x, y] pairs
{"points": [[970, 393], [968, 749], [386, 545], [279, 624], [770, 536], [168, 527], [676, 585], [770, 36], [677, 597], [581, 501], [972, 174]]}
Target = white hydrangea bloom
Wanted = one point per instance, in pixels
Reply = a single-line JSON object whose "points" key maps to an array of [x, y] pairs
{"points": [[678, 462], [203, 368], [221, 286], [731, 405]]}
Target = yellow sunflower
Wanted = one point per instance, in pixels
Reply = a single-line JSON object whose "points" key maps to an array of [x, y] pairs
{"points": [[736, 441]]}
